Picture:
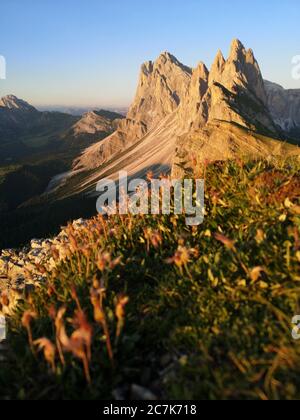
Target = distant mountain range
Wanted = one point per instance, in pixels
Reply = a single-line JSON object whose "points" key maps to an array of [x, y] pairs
{"points": [[24, 130], [79, 111]]}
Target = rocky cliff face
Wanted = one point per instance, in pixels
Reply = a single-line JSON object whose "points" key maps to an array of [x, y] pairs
{"points": [[233, 91], [236, 91], [162, 86], [284, 105]]}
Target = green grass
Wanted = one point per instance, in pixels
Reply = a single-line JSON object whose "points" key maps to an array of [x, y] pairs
{"points": [[210, 308]]}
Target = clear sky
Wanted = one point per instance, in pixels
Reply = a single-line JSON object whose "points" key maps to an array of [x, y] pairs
{"points": [[88, 52]]}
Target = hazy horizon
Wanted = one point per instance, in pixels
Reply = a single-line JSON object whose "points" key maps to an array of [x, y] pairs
{"points": [[88, 54]]}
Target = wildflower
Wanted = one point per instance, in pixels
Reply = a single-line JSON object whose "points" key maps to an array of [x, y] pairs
{"points": [[75, 297], [79, 344], [153, 237], [256, 273], [4, 299], [98, 311], [83, 332], [55, 253], [27, 318], [60, 333], [49, 350], [120, 313], [73, 242], [229, 244], [103, 260], [260, 236], [114, 263], [283, 218], [182, 257], [100, 318], [52, 312]]}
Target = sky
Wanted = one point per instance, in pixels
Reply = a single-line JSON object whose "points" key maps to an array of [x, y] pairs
{"points": [[89, 52]]}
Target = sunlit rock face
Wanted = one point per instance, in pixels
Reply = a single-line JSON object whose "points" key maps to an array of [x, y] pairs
{"points": [[161, 88]]}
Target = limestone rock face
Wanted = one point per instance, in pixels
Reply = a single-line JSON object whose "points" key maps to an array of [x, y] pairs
{"points": [[232, 91], [284, 105], [236, 91], [217, 68], [240, 70], [193, 111], [162, 86]]}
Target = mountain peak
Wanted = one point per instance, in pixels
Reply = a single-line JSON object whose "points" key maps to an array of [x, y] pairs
{"points": [[202, 69], [236, 47], [167, 54], [217, 67], [13, 103], [167, 58]]}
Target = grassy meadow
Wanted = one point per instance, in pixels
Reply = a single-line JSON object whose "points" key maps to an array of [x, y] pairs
{"points": [[184, 312]]}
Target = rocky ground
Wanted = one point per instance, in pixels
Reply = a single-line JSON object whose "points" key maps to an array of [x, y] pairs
{"points": [[24, 269]]}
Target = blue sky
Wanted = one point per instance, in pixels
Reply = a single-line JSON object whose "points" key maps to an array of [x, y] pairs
{"points": [[88, 52]]}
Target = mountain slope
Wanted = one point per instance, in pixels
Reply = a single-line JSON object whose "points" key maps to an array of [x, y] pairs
{"points": [[24, 131], [93, 125], [224, 110]]}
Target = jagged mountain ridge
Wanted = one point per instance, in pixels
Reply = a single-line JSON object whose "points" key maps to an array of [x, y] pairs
{"points": [[174, 102], [162, 85]]}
